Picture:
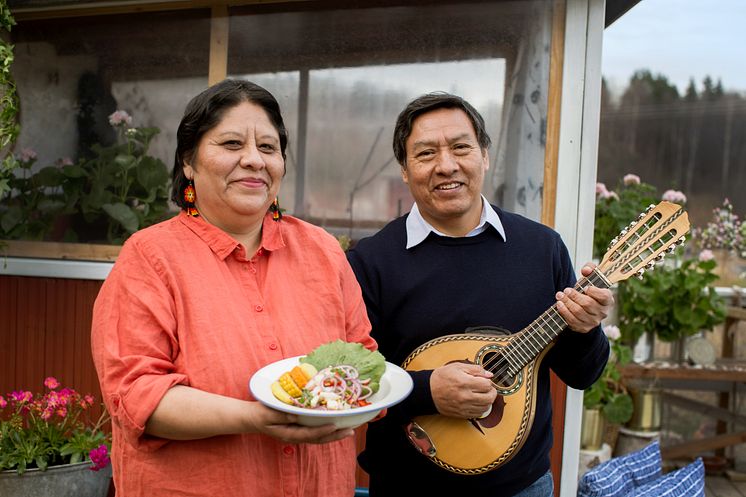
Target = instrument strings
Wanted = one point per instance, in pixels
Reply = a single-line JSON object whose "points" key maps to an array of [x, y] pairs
{"points": [[520, 351]]}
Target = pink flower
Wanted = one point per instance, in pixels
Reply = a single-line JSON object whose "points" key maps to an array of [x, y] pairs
{"points": [[27, 155], [706, 255], [674, 196], [631, 179], [22, 397], [603, 193], [3, 402], [612, 332], [51, 383], [120, 118], [99, 457]]}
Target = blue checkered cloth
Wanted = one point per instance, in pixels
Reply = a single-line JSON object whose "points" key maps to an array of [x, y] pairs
{"points": [[620, 476], [688, 481]]}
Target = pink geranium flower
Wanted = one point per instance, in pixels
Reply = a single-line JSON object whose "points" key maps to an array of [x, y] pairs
{"points": [[674, 196], [706, 255], [51, 382], [120, 118], [631, 179]]}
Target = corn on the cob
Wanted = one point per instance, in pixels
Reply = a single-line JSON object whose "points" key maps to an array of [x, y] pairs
{"points": [[287, 383]]}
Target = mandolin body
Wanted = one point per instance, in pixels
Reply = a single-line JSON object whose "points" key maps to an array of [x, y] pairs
{"points": [[475, 446]]}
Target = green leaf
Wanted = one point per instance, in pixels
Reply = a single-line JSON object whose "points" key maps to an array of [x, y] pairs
{"points": [[124, 215], [619, 409], [12, 217], [152, 173], [48, 176]]}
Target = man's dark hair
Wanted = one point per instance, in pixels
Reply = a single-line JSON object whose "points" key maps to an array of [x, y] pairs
{"points": [[427, 103], [206, 110]]}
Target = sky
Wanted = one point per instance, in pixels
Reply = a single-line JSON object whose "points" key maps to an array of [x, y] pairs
{"points": [[680, 39]]}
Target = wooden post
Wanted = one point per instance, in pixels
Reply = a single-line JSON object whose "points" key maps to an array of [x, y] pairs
{"points": [[219, 27]]}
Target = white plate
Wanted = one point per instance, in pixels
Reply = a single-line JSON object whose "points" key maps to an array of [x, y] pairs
{"points": [[395, 385]]}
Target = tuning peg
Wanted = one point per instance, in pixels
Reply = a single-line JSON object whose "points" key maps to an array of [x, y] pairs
{"points": [[642, 214], [613, 242], [650, 208], [660, 256], [650, 265], [640, 274], [671, 248], [623, 232]]}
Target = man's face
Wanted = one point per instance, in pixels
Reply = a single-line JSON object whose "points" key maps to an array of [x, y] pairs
{"points": [[445, 170]]}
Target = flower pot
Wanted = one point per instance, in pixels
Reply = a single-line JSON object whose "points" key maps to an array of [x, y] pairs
{"points": [[647, 409], [592, 429], [67, 480]]}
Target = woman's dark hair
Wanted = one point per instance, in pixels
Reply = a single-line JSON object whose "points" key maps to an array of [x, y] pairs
{"points": [[205, 111], [427, 103]]}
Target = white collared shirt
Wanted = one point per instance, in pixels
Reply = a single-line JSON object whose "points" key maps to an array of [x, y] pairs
{"points": [[418, 228]]}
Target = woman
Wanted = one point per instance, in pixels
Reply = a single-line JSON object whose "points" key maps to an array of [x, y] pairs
{"points": [[195, 305]]}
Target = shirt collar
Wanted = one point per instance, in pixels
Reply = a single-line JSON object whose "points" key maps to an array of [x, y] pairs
{"points": [[222, 244], [418, 228]]}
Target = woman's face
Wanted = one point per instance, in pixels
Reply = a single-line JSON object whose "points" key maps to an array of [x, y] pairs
{"points": [[237, 168]]}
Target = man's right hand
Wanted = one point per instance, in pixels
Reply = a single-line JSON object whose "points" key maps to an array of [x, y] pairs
{"points": [[462, 390]]}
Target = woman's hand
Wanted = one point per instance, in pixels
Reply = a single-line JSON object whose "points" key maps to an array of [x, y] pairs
{"points": [[284, 427], [186, 413]]}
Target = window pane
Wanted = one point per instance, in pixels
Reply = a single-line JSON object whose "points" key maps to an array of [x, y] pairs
{"points": [[342, 77]]}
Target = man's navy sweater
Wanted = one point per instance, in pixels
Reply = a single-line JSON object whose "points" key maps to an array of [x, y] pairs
{"points": [[444, 286]]}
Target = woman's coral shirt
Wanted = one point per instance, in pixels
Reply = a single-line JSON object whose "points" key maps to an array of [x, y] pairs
{"points": [[185, 305]]}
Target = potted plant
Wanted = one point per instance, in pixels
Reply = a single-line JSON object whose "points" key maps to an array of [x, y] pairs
{"points": [[105, 197], [725, 236], [49, 445], [616, 208], [675, 301], [607, 404]]}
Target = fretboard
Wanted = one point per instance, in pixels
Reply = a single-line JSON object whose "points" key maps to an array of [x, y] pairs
{"points": [[537, 336]]}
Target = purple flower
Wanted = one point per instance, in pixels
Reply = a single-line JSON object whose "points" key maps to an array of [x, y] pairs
{"points": [[99, 457]]}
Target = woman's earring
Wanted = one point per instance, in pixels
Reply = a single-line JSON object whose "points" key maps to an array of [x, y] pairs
{"points": [[190, 195], [275, 209]]}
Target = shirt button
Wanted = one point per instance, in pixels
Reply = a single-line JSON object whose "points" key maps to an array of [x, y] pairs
{"points": [[258, 308], [288, 450], [272, 346]]}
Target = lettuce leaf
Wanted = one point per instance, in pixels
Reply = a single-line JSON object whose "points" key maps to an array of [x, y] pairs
{"points": [[368, 364]]}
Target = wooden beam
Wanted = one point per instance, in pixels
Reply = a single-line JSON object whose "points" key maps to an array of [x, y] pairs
{"points": [[219, 27], [703, 408], [554, 100], [59, 250], [700, 445]]}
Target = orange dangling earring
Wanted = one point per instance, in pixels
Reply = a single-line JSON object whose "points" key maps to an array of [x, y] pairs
{"points": [[275, 209], [190, 195]]}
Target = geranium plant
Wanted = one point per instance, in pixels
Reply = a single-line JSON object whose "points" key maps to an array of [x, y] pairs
{"points": [[675, 300], [615, 209], [51, 428], [608, 393]]}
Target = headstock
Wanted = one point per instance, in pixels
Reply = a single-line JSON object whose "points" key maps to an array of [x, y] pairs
{"points": [[658, 230]]}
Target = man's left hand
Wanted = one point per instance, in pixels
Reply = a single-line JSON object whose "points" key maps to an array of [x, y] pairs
{"points": [[584, 311]]}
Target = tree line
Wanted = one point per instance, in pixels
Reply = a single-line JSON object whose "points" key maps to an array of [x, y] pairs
{"points": [[693, 142]]}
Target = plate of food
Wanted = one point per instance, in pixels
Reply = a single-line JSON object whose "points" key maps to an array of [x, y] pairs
{"points": [[338, 383]]}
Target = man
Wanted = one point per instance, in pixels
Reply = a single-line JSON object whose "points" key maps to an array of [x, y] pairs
{"points": [[453, 263]]}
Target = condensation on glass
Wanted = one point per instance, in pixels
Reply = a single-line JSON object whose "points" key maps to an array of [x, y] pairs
{"points": [[341, 76]]}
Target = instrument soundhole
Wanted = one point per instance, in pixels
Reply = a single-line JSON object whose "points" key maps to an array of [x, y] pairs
{"points": [[494, 361]]}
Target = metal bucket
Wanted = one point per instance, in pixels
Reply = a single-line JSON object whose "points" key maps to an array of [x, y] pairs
{"points": [[592, 426], [646, 415]]}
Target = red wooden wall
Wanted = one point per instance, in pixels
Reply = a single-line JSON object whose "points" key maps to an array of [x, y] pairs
{"points": [[45, 328], [45, 331]]}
